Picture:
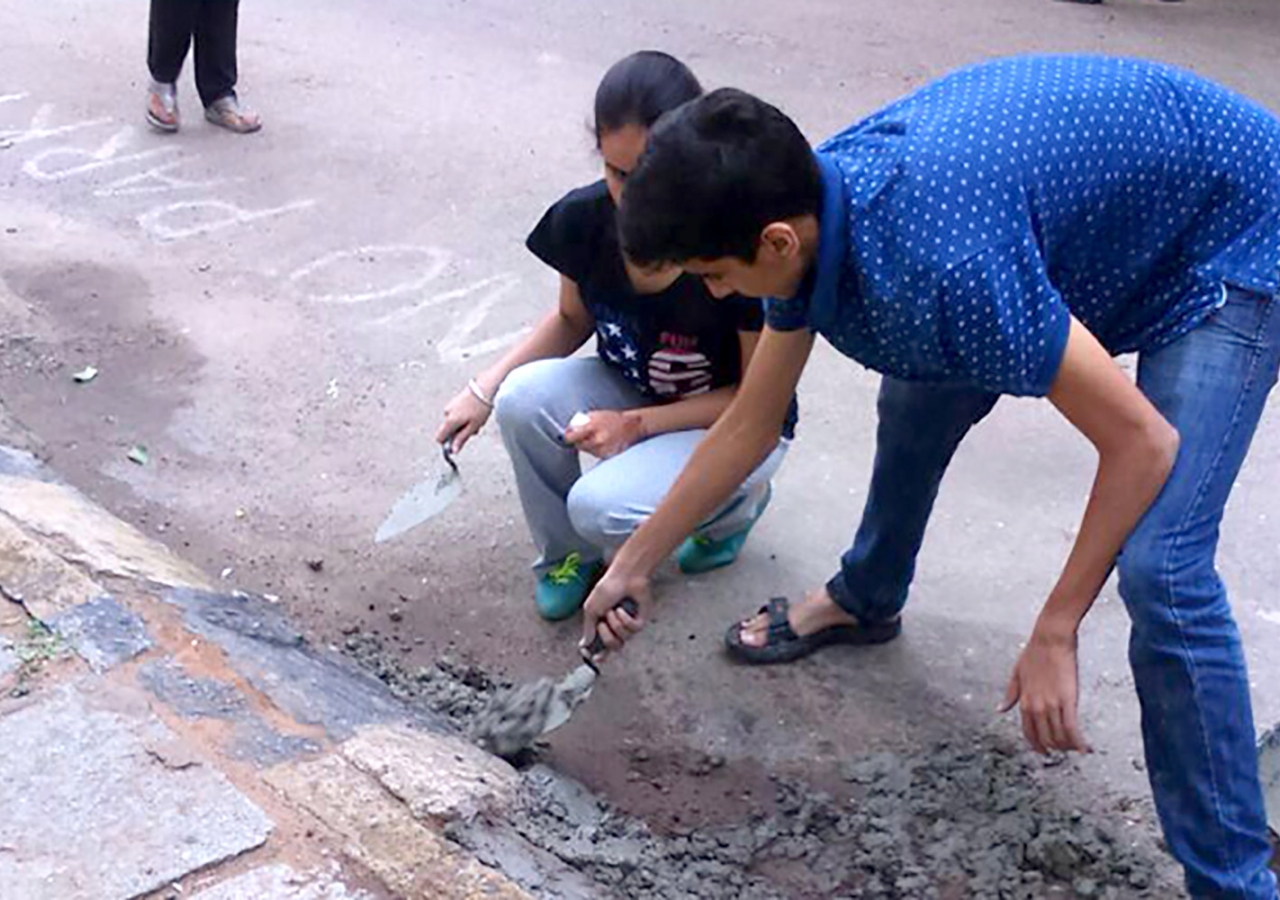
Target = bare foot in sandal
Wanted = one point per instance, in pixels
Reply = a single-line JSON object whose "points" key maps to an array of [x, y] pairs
{"points": [[816, 611], [162, 107], [781, 633], [226, 113]]}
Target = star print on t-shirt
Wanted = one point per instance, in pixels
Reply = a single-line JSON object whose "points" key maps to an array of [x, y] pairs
{"points": [[617, 343]]}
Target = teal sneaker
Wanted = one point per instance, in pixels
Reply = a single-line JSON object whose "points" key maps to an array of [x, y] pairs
{"points": [[700, 553], [564, 587]]}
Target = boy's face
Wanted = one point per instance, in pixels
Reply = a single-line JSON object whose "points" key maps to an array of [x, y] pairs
{"points": [[777, 271], [730, 275]]}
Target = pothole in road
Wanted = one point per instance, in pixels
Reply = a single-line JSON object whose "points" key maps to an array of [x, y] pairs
{"points": [[972, 818]]}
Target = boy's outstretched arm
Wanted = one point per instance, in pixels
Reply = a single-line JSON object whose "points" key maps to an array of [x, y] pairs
{"points": [[1136, 451], [743, 436]]}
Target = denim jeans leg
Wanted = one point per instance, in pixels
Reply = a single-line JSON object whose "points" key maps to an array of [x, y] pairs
{"points": [[534, 406], [1185, 649], [921, 425], [620, 493]]}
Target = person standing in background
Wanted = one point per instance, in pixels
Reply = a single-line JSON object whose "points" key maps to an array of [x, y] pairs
{"points": [[212, 23]]}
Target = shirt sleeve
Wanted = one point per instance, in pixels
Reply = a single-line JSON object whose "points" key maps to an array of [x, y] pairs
{"points": [[786, 315], [748, 313], [563, 239], [1003, 324]]}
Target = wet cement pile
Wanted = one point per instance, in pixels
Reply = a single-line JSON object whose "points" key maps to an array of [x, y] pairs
{"points": [[968, 819], [960, 820], [455, 690]]}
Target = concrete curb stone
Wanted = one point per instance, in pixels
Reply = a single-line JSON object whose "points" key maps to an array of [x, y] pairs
{"points": [[103, 632], [86, 534], [440, 778], [38, 578], [280, 882], [313, 685], [102, 802], [410, 858]]}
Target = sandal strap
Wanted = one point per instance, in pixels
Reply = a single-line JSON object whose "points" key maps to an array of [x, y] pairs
{"points": [[168, 94], [227, 112], [780, 631]]}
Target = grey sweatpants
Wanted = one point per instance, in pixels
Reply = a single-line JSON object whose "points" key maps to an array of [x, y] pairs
{"points": [[595, 512]]}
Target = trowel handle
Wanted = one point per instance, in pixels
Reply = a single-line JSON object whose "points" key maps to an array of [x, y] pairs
{"points": [[596, 647], [447, 449]]}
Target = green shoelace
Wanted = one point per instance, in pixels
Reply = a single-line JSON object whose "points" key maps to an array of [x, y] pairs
{"points": [[567, 569]]}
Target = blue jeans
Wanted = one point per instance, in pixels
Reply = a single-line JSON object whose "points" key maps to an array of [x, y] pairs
{"points": [[1185, 649]]}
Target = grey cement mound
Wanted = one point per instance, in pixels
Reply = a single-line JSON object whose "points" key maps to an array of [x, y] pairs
{"points": [[966, 819], [449, 688]]}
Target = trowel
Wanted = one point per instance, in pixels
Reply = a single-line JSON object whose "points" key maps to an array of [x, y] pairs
{"points": [[425, 499], [515, 718]]}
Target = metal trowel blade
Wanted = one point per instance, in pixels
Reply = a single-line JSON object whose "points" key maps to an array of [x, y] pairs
{"points": [[569, 693], [423, 501], [515, 718]]}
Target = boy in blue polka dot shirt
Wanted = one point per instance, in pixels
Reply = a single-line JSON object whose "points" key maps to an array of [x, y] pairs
{"points": [[1008, 229]]}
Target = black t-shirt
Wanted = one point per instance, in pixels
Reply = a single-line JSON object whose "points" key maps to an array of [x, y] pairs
{"points": [[671, 344]]}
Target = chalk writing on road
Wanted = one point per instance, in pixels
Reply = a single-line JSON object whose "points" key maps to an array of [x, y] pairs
{"points": [[484, 296], [141, 170], [190, 218], [158, 180], [54, 164], [354, 276], [124, 148], [312, 278], [41, 126]]}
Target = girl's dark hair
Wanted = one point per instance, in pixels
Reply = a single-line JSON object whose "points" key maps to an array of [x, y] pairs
{"points": [[639, 89]]}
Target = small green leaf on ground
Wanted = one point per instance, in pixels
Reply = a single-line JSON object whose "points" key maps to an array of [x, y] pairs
{"points": [[139, 455], [85, 375]]}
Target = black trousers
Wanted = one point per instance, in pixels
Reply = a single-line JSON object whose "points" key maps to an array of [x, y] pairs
{"points": [[213, 25]]}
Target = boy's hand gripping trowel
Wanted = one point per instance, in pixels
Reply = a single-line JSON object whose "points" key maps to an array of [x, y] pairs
{"points": [[515, 718]]}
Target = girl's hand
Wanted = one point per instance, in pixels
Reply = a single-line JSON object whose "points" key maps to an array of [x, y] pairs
{"points": [[464, 416], [606, 433]]}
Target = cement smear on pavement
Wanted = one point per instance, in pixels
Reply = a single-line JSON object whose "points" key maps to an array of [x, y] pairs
{"points": [[974, 818]]}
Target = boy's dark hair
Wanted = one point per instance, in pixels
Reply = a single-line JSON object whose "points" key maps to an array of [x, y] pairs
{"points": [[639, 89], [717, 171]]}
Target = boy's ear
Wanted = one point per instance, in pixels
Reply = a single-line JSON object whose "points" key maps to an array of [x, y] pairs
{"points": [[781, 239]]}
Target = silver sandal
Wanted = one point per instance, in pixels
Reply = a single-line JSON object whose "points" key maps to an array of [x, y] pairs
{"points": [[225, 112], [167, 94]]}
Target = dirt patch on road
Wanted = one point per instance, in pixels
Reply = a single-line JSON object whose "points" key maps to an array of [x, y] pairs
{"points": [[69, 316], [976, 818]]}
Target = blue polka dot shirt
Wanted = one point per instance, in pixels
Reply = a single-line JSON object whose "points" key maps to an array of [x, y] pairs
{"points": [[963, 226]]}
